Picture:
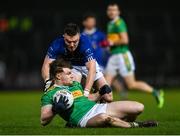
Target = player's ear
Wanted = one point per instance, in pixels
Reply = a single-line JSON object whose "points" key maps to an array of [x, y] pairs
{"points": [[58, 76]]}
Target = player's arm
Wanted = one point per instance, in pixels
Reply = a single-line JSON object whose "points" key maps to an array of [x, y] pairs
{"points": [[45, 68], [52, 54], [46, 115], [91, 66], [122, 33], [124, 39]]}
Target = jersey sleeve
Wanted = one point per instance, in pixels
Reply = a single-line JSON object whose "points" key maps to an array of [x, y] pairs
{"points": [[87, 49], [121, 26], [53, 50], [45, 100], [102, 36]]}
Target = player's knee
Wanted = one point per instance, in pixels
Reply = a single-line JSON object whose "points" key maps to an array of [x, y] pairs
{"points": [[107, 97], [131, 85], [43, 122], [139, 108], [105, 90], [106, 93], [104, 118]]}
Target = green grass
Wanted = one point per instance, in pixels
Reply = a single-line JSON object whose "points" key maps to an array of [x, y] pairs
{"points": [[20, 112]]}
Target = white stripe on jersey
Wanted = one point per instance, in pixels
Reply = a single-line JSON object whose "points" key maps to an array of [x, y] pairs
{"points": [[90, 58]]}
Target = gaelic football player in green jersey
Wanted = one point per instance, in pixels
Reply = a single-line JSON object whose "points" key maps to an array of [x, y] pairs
{"points": [[84, 112], [121, 60]]}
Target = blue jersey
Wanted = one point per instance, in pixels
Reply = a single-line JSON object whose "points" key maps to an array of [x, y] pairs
{"points": [[101, 54], [83, 53]]}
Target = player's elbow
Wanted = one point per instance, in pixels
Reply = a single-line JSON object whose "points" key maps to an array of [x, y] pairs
{"points": [[91, 66], [44, 121], [45, 118], [44, 70]]}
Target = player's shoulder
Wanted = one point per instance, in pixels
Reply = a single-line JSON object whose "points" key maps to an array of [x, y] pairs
{"points": [[75, 83], [119, 21], [100, 33], [83, 37], [84, 42], [59, 41]]}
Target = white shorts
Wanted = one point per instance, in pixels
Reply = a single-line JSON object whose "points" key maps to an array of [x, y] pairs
{"points": [[121, 63], [82, 70], [97, 109]]}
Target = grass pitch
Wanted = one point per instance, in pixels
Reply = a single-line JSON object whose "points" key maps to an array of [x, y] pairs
{"points": [[20, 112]]}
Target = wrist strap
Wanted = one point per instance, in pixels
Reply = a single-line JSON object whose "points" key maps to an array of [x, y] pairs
{"points": [[47, 80], [86, 92]]}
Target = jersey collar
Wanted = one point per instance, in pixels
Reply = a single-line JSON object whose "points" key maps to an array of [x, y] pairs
{"points": [[61, 86], [89, 32], [115, 19]]}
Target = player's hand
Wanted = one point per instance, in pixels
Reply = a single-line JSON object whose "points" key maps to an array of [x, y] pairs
{"points": [[94, 97], [60, 105], [86, 92], [104, 43], [111, 43], [47, 84]]}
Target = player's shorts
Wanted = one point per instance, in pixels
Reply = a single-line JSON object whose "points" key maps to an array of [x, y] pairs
{"points": [[95, 110], [121, 63], [82, 70]]}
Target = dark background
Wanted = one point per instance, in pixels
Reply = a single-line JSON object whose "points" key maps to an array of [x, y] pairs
{"points": [[153, 29]]}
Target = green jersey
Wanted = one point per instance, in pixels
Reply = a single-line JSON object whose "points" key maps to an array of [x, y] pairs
{"points": [[113, 30], [81, 104]]}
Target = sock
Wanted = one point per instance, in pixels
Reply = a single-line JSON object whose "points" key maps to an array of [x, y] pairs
{"points": [[134, 124], [155, 92]]}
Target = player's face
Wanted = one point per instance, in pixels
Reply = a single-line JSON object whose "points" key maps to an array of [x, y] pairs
{"points": [[66, 77], [89, 23], [113, 11], [71, 41]]}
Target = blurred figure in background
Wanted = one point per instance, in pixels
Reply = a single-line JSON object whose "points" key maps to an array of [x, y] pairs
{"points": [[97, 38], [121, 60]]}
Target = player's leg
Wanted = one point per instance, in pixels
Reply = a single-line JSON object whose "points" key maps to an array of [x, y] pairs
{"points": [[101, 115], [104, 89], [98, 117], [104, 83], [111, 69], [132, 83], [109, 78], [126, 69], [104, 120], [126, 110], [119, 86]]}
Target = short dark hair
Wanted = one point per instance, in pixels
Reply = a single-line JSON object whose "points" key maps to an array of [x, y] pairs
{"points": [[71, 29], [57, 67], [114, 4], [88, 15]]}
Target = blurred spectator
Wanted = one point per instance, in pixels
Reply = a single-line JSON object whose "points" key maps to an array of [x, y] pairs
{"points": [[96, 37]]}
